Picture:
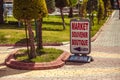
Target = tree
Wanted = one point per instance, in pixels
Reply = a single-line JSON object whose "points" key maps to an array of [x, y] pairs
{"points": [[92, 6], [84, 7], [100, 10], [26, 10], [114, 4], [51, 8], [1, 11], [107, 6], [43, 13], [50, 5], [61, 4], [71, 3]]}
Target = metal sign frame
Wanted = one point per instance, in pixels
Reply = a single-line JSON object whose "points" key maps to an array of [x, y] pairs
{"points": [[79, 48]]}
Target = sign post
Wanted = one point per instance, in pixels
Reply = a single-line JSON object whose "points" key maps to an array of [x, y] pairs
{"points": [[80, 42]]}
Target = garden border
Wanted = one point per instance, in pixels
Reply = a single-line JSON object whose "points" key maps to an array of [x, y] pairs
{"points": [[59, 62]]}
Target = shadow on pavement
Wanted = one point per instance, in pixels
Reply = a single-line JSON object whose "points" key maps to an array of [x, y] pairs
{"points": [[5, 71], [22, 42], [75, 63]]}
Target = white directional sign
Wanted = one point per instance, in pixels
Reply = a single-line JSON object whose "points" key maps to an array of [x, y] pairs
{"points": [[80, 36]]}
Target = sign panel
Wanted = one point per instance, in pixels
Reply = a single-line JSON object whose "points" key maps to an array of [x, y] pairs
{"points": [[80, 36]]}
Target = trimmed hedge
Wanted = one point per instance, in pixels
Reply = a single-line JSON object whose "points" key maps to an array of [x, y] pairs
{"points": [[29, 9]]}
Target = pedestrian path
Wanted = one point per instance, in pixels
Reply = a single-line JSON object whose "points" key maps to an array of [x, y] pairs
{"points": [[109, 39], [106, 64]]}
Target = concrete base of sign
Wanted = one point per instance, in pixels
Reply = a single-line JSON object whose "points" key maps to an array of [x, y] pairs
{"points": [[80, 58]]}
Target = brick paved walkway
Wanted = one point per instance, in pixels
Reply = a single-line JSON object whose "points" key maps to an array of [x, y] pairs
{"points": [[106, 64], [109, 39]]}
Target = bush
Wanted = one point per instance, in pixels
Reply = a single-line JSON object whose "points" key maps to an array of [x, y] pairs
{"points": [[25, 9]]}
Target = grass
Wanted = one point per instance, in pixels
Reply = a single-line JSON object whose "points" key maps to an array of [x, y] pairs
{"points": [[10, 34], [52, 30], [48, 54], [97, 26]]}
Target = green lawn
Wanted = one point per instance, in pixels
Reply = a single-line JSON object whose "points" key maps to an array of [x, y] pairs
{"points": [[48, 54], [97, 26], [52, 30]]}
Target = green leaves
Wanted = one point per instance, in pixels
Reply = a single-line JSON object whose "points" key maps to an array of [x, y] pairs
{"points": [[29, 9], [61, 3], [50, 5], [72, 2], [101, 9], [92, 5]]}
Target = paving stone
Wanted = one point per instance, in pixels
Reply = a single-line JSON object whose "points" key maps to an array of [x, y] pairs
{"points": [[106, 64]]}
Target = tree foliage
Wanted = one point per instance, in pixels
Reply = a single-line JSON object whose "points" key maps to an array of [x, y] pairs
{"points": [[92, 5], [61, 3], [44, 12], [72, 2], [84, 7], [50, 5], [29, 9], [100, 11], [107, 6], [26, 10]]}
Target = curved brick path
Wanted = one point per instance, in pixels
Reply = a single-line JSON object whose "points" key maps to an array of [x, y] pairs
{"points": [[106, 64], [109, 39]]}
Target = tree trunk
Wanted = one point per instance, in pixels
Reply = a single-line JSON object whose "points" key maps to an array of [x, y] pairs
{"points": [[62, 18], [98, 20], [27, 40], [1, 12], [39, 34], [32, 53], [70, 12], [92, 19], [36, 28], [105, 12]]}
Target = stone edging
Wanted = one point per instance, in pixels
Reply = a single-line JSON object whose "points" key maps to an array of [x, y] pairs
{"points": [[59, 62], [100, 30], [96, 35], [23, 45]]}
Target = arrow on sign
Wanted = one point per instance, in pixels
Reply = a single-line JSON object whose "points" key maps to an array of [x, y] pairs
{"points": [[77, 48]]}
